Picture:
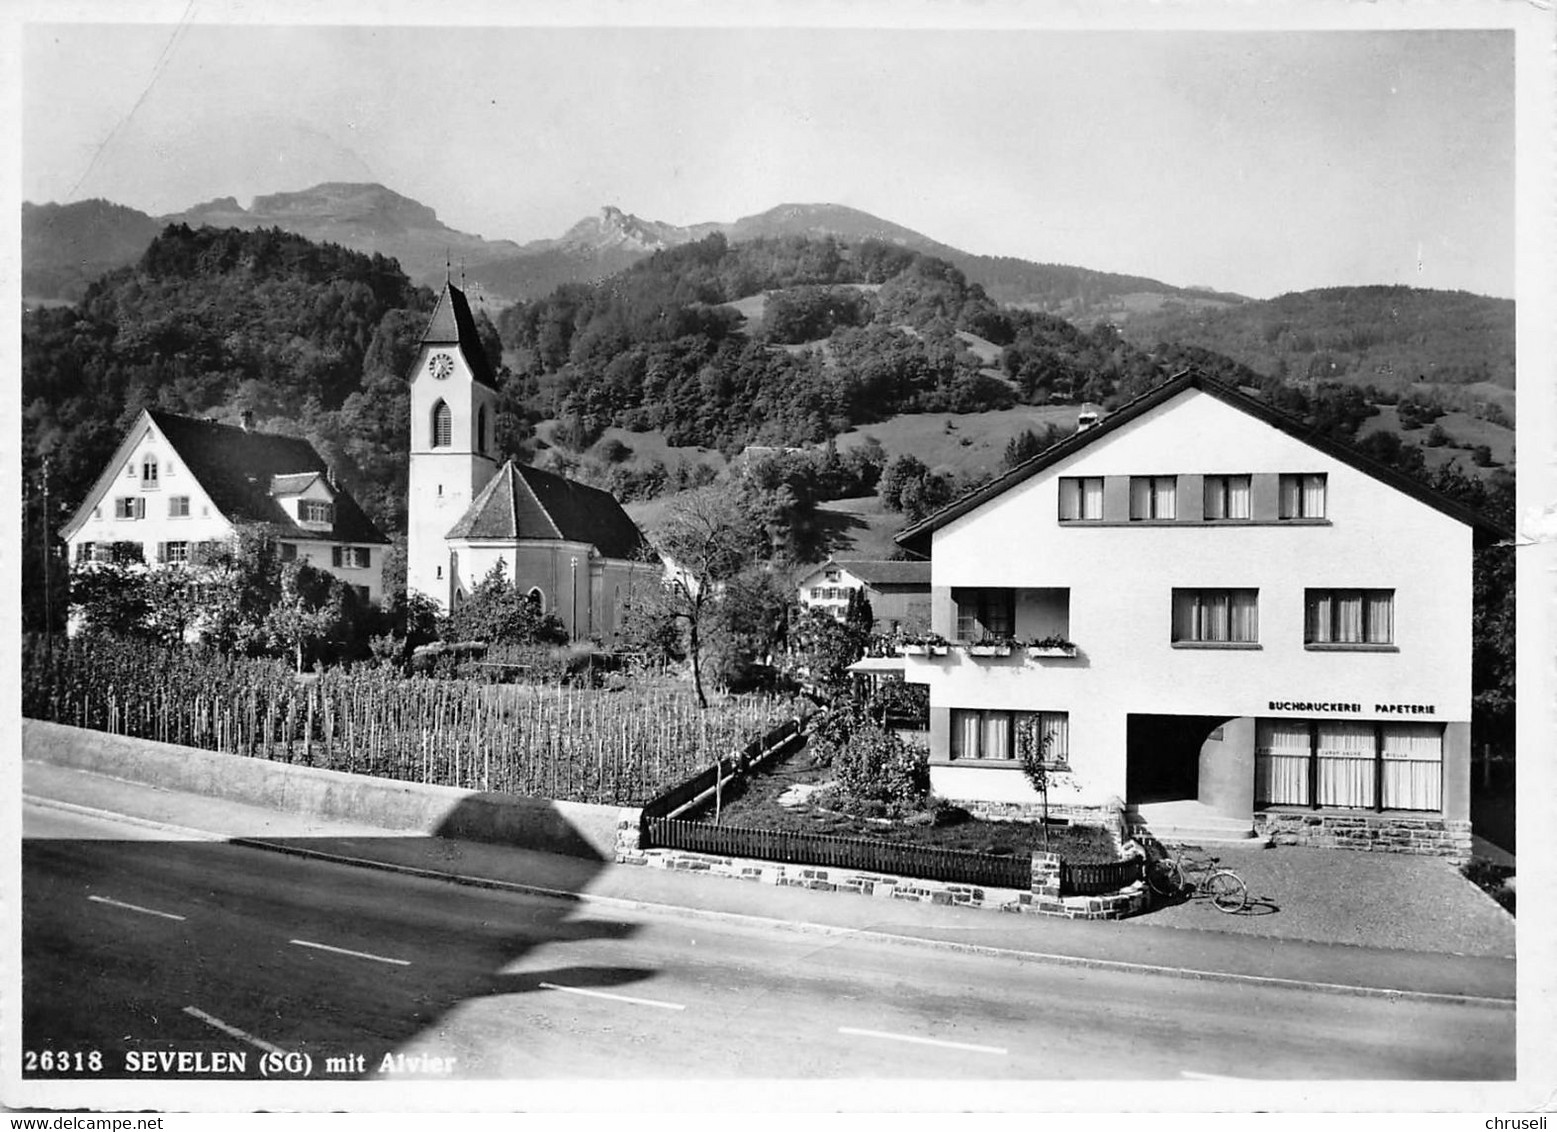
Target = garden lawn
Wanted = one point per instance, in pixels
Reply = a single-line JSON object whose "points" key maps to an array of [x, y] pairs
{"points": [[754, 804]]}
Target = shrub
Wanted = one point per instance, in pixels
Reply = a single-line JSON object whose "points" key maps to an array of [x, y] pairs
{"points": [[875, 766]]}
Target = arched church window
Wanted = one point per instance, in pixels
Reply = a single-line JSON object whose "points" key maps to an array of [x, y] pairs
{"points": [[481, 429], [537, 599], [442, 426]]}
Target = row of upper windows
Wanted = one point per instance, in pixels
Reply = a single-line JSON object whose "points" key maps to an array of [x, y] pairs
{"points": [[182, 552], [341, 557], [134, 507], [1332, 618], [173, 553], [830, 593], [1221, 498], [1341, 618], [443, 426]]}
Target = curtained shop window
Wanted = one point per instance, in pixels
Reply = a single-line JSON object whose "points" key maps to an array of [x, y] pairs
{"points": [[1282, 748], [1413, 766], [1346, 764]]}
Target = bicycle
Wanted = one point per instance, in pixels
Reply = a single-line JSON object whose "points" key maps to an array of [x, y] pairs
{"points": [[1188, 870]]}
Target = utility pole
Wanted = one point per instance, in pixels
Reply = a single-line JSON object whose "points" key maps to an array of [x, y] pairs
{"points": [[48, 553]]}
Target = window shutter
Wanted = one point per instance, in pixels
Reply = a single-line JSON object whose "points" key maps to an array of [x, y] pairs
{"points": [[140, 507], [162, 552], [335, 556]]}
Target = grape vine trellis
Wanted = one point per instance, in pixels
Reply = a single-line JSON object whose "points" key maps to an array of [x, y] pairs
{"points": [[571, 744]]}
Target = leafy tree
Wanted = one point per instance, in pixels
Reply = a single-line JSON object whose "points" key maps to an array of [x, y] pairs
{"points": [[709, 539], [302, 616], [498, 613], [826, 647], [111, 597]]}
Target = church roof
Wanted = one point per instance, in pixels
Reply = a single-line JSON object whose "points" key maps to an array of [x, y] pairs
{"points": [[452, 324], [521, 502]]}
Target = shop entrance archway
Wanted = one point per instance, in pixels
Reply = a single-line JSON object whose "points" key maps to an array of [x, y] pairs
{"points": [[1162, 756]]}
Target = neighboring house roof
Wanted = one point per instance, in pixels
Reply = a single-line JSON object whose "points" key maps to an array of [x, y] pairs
{"points": [[877, 571], [293, 484], [238, 469], [521, 502], [887, 571], [917, 537], [452, 324]]}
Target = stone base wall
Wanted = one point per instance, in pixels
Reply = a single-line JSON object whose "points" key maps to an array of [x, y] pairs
{"points": [[1376, 833], [1108, 816], [1044, 899]]}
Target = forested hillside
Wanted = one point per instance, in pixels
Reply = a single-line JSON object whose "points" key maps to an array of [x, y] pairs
{"points": [[657, 347], [1384, 336], [314, 340]]}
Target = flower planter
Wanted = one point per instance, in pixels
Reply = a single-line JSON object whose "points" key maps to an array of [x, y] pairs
{"points": [[921, 650], [1051, 650], [989, 650]]}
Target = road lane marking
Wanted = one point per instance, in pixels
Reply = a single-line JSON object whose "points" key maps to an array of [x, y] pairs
{"points": [[135, 907], [615, 997], [231, 1031], [921, 1041], [355, 954]]}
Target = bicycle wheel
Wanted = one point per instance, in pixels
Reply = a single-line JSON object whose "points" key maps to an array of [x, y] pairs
{"points": [[1227, 891], [1164, 876]]}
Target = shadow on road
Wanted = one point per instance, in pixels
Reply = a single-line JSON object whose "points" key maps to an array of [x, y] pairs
{"points": [[139, 946]]}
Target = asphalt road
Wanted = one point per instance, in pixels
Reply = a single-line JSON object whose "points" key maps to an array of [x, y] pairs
{"points": [[135, 943]]}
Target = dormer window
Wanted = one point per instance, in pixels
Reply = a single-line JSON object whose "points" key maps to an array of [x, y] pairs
{"points": [[442, 426], [315, 511]]}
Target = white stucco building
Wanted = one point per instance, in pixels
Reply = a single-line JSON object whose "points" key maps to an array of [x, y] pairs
{"points": [[177, 485], [898, 591], [1243, 621]]}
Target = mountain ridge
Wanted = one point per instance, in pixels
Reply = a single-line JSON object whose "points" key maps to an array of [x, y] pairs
{"points": [[59, 260]]}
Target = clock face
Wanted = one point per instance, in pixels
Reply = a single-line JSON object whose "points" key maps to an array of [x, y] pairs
{"points": [[441, 366]]}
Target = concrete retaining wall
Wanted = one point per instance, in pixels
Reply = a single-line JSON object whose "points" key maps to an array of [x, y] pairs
{"points": [[571, 828]]}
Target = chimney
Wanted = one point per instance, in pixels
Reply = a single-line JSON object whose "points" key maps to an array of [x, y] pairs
{"points": [[1087, 418], [246, 418]]}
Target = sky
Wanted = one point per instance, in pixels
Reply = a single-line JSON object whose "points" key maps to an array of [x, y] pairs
{"points": [[1251, 161]]}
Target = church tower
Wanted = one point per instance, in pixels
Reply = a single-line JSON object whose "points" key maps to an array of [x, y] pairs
{"points": [[453, 421]]}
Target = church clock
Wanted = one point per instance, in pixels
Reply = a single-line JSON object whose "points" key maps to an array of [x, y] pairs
{"points": [[441, 365]]}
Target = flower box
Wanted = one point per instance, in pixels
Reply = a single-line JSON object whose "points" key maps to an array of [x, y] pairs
{"points": [[923, 648], [1051, 649], [989, 650]]}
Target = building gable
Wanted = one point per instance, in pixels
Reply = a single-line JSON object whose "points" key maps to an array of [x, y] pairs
{"points": [[1144, 411]]}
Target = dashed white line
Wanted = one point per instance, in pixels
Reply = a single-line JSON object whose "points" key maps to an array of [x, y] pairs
{"points": [[354, 954], [231, 1031], [134, 907], [922, 1041], [615, 997]]}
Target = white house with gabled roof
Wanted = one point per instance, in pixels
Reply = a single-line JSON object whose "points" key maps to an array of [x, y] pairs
{"points": [[1216, 621], [178, 486]]}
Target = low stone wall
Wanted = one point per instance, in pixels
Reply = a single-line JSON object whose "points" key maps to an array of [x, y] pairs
{"points": [[1109, 817], [1044, 899], [1376, 833]]}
